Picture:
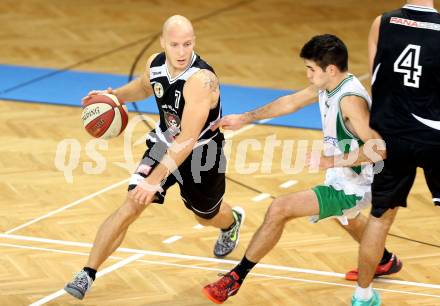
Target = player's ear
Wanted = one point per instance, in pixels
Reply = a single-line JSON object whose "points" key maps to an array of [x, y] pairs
{"points": [[331, 69], [194, 41], [162, 42]]}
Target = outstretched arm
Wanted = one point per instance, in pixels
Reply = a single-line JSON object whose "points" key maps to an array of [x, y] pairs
{"points": [[279, 107], [138, 89]]}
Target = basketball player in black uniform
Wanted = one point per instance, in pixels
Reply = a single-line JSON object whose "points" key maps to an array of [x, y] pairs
{"points": [[404, 48], [182, 149]]}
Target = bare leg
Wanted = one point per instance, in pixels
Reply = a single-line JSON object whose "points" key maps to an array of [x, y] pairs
{"points": [[355, 227], [118, 241], [112, 232], [224, 219], [372, 245], [282, 209]]}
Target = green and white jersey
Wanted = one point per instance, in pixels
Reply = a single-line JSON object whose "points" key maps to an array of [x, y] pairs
{"points": [[338, 140]]}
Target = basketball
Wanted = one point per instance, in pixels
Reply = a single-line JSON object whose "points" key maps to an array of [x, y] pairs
{"points": [[104, 116]]}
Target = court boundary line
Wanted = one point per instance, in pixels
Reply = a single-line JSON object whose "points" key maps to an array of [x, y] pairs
{"points": [[109, 269], [73, 204], [228, 135], [215, 260], [169, 264]]}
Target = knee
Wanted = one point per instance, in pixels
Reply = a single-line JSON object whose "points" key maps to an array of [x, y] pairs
{"points": [[130, 210], [353, 223], [384, 222], [203, 221], [277, 212], [387, 219]]}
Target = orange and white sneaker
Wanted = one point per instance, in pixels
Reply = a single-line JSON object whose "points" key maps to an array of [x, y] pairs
{"points": [[221, 290], [394, 265]]}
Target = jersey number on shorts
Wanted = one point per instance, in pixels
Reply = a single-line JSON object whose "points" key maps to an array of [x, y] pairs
{"points": [[408, 64]]}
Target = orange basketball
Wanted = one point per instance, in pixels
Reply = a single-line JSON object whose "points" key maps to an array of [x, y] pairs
{"points": [[104, 116]]}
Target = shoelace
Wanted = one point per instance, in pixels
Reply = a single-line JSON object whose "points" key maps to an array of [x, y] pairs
{"points": [[228, 282], [226, 236], [80, 281]]}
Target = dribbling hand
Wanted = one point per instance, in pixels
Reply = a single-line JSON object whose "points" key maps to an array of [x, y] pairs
{"points": [[97, 92]]}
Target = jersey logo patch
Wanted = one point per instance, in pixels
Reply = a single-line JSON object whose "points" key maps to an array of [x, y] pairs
{"points": [[415, 23], [173, 123], [158, 90]]}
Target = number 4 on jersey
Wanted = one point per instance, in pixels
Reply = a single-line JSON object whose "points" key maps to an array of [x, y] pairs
{"points": [[408, 64]]}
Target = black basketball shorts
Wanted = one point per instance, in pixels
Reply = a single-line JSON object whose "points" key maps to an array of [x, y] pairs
{"points": [[201, 177], [392, 185]]}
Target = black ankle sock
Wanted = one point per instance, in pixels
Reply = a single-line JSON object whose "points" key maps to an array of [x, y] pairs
{"points": [[231, 227], [385, 257], [91, 272], [243, 268]]}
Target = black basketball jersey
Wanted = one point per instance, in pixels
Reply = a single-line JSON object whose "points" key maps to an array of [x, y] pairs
{"points": [[406, 75], [170, 101]]}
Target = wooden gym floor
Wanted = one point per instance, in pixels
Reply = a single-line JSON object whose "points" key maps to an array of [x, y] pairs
{"points": [[48, 223]]}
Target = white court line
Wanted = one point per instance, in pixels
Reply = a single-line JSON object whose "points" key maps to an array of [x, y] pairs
{"points": [[18, 246], [216, 260], [364, 77], [261, 197], [172, 239], [68, 205], [229, 134], [161, 263], [289, 183], [99, 274], [198, 226]]}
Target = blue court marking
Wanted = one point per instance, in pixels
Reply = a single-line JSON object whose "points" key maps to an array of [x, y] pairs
{"points": [[68, 87]]}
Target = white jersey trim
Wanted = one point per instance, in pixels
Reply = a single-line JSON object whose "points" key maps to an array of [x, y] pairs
{"points": [[157, 72], [420, 8], [373, 78], [172, 80], [162, 71], [431, 123], [162, 138]]}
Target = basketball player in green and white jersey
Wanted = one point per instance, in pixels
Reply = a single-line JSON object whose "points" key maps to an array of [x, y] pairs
{"points": [[344, 105]]}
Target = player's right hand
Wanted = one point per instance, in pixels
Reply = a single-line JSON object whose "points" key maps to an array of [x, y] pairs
{"points": [[230, 122], [144, 193], [97, 92]]}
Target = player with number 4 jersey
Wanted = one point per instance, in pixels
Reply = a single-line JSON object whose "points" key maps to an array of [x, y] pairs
{"points": [[406, 78], [404, 48]]}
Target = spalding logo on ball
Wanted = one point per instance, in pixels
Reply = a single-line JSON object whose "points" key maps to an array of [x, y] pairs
{"points": [[104, 116]]}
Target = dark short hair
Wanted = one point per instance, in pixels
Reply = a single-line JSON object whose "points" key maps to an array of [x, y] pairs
{"points": [[326, 50]]}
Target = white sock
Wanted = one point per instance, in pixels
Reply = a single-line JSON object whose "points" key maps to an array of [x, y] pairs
{"points": [[363, 293]]}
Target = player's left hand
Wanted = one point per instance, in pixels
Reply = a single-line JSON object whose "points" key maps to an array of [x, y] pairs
{"points": [[230, 122]]}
